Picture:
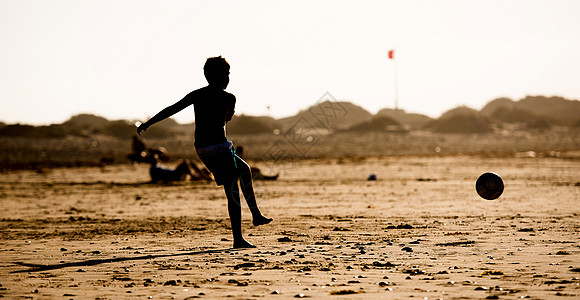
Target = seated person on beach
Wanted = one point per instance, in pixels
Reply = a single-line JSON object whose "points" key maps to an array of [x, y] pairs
{"points": [[256, 173], [180, 173]]}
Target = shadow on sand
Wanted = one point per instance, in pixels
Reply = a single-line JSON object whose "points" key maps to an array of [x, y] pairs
{"points": [[93, 262]]}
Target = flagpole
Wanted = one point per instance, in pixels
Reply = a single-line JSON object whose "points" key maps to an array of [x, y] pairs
{"points": [[396, 86], [396, 81]]}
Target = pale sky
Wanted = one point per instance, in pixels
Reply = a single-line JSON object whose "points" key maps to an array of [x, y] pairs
{"points": [[130, 59]]}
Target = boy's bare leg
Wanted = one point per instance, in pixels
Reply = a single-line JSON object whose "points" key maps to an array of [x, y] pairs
{"points": [[248, 191], [235, 211]]}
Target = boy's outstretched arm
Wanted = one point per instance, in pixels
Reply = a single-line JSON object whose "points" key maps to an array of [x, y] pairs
{"points": [[165, 113]]}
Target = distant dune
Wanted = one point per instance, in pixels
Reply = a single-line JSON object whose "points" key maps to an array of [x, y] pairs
{"points": [[337, 115], [554, 110]]}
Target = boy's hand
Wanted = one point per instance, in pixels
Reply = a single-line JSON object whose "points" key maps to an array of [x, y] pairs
{"points": [[142, 127]]}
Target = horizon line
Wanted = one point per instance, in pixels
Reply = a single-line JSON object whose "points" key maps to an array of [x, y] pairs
{"points": [[130, 119]]}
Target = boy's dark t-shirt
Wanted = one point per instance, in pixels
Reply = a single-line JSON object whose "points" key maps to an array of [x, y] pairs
{"points": [[213, 109]]}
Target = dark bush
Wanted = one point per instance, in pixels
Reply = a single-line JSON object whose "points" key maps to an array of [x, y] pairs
{"points": [[461, 123], [120, 129], [379, 123], [249, 125], [50, 131]]}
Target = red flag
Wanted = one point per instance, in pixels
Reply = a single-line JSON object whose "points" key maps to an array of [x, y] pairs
{"points": [[391, 54]]}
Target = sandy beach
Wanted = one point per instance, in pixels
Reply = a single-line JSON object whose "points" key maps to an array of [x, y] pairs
{"points": [[419, 231]]}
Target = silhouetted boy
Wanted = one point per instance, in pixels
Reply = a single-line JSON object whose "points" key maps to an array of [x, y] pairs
{"points": [[213, 108]]}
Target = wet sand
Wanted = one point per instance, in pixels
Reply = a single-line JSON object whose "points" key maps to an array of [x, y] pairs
{"points": [[419, 231]]}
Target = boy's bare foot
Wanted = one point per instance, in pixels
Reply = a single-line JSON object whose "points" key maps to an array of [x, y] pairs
{"points": [[261, 220], [243, 244]]}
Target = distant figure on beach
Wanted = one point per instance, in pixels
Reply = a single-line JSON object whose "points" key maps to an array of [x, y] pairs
{"points": [[256, 173], [180, 173], [138, 145], [213, 108], [140, 152]]}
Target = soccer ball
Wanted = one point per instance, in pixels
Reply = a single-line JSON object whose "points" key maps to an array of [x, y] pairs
{"points": [[489, 186]]}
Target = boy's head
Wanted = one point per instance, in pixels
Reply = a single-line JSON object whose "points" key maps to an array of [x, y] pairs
{"points": [[217, 71]]}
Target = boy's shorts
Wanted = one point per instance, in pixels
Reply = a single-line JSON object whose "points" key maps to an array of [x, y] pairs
{"points": [[220, 160]]}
